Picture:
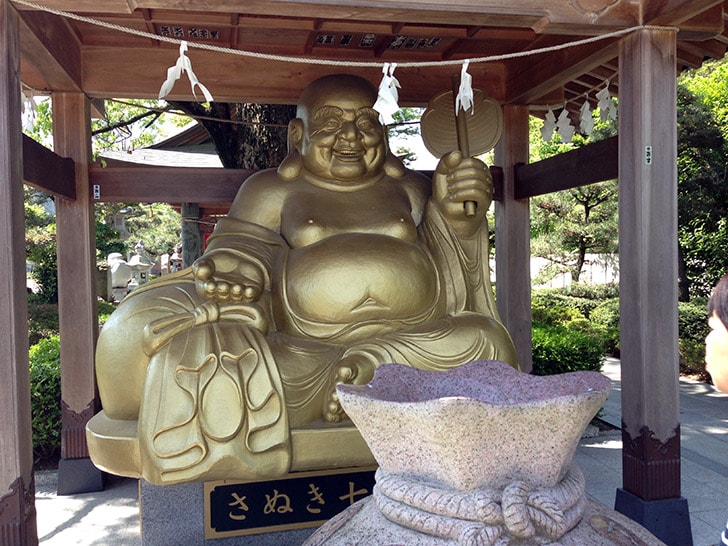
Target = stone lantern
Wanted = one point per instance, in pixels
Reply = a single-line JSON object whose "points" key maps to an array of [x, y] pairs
{"points": [[119, 275], [140, 265]]}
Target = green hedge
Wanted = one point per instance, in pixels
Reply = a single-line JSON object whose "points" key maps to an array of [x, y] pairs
{"points": [[42, 319], [693, 320], [558, 349], [552, 299], [693, 327], [590, 291], [105, 310], [594, 310], [580, 296], [557, 314], [45, 396], [605, 317]]}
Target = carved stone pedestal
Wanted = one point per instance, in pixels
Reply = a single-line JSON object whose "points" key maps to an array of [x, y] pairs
{"points": [[174, 515], [476, 456]]}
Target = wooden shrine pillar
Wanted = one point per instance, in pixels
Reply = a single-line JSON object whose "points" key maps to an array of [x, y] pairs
{"points": [[192, 242], [513, 237], [17, 487], [77, 308], [648, 286]]}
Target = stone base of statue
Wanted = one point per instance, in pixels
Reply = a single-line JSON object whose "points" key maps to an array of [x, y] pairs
{"points": [[478, 455], [174, 515], [257, 513]]}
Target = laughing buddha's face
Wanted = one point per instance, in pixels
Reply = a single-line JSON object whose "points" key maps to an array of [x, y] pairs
{"points": [[342, 139]]}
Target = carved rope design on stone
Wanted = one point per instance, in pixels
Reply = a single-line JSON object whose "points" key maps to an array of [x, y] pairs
{"points": [[484, 517]]}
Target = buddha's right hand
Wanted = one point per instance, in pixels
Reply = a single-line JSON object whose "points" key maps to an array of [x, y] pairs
{"points": [[223, 277], [351, 370]]}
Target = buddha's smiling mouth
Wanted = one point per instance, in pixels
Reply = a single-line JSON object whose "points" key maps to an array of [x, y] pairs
{"points": [[348, 154]]}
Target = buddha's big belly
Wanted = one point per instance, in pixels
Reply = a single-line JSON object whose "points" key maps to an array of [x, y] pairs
{"points": [[360, 277]]}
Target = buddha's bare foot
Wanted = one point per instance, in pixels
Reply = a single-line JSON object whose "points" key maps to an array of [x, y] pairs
{"points": [[352, 370]]}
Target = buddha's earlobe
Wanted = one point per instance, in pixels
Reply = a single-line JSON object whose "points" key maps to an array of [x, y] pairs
{"points": [[292, 166], [393, 166]]}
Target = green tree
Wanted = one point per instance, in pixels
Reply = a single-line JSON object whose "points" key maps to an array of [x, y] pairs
{"points": [[40, 245], [569, 224], [126, 125], [132, 124], [406, 125], [702, 185], [157, 225], [246, 136], [710, 84]]}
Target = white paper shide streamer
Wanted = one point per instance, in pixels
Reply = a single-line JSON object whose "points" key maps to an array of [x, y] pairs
{"points": [[27, 108], [607, 108], [464, 98], [549, 124], [586, 120], [564, 126], [174, 72], [388, 96]]}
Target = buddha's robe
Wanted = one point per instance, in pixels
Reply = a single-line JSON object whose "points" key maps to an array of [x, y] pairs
{"points": [[226, 382]]}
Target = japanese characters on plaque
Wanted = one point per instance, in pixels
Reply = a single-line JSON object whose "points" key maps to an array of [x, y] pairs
{"points": [[304, 499]]}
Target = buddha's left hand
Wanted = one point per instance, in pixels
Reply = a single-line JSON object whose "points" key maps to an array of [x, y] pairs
{"points": [[458, 179], [224, 277]]}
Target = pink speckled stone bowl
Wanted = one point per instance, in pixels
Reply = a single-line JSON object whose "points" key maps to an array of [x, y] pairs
{"points": [[481, 425]]}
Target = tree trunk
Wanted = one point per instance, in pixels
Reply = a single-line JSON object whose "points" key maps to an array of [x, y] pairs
{"points": [[683, 283], [246, 136], [580, 259]]}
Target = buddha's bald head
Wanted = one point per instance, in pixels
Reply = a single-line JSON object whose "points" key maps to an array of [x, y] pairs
{"points": [[337, 87]]}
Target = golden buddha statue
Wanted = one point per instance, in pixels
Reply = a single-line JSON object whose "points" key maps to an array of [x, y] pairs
{"points": [[334, 263]]}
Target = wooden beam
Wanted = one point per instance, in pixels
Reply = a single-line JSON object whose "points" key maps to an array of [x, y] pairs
{"points": [[17, 504], [676, 12], [52, 48], [648, 287], [47, 171], [530, 80], [704, 26], [544, 102], [512, 242], [714, 49], [135, 73], [170, 184], [686, 57], [648, 233], [214, 188], [77, 308], [592, 163], [87, 6], [463, 12]]}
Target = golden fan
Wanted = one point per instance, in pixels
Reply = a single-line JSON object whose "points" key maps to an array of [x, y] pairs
{"points": [[473, 133]]}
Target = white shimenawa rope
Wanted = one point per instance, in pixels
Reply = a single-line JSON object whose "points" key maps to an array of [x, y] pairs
{"points": [[331, 62]]}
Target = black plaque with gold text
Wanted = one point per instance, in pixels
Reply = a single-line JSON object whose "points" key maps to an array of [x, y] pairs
{"points": [[302, 499]]}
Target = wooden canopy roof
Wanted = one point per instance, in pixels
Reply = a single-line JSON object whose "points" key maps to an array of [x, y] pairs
{"points": [[59, 53], [65, 54]]}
